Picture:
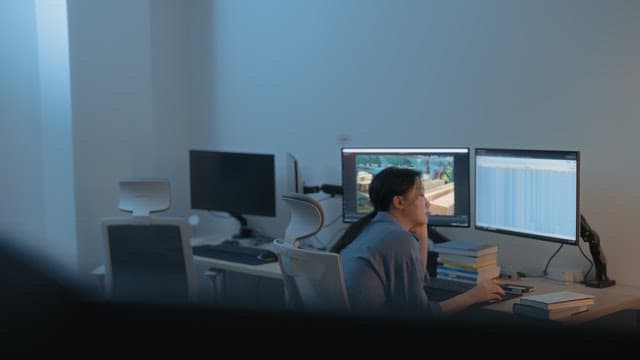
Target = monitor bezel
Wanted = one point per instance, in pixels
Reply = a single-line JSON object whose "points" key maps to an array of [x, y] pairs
{"points": [[413, 150], [520, 233], [271, 212]]}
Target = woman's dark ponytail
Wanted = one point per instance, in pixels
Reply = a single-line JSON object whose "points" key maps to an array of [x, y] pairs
{"points": [[387, 184], [352, 232]]}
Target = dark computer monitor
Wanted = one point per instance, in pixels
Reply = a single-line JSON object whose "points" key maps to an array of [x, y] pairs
{"points": [[529, 193], [237, 183], [445, 175]]}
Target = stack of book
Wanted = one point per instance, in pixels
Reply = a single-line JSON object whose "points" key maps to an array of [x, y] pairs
{"points": [[466, 261], [553, 306]]}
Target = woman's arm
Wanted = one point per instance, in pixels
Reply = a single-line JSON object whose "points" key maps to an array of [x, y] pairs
{"points": [[488, 290], [420, 232]]}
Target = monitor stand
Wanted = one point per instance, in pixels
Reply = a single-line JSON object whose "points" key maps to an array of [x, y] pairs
{"points": [[245, 230], [247, 234], [435, 235], [591, 237]]}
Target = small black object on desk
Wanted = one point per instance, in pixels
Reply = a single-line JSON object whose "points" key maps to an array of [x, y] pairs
{"points": [[516, 288], [268, 256], [236, 253]]}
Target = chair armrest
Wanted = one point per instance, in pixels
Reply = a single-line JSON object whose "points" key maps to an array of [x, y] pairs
{"points": [[99, 271], [99, 274], [212, 274]]}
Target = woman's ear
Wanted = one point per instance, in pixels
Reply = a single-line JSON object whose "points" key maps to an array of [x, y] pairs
{"points": [[398, 202]]}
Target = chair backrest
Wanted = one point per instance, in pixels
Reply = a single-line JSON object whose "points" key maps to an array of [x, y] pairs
{"points": [[313, 279], [148, 259], [307, 218]]}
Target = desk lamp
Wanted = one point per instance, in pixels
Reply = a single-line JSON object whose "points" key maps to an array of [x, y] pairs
{"points": [[591, 237]]}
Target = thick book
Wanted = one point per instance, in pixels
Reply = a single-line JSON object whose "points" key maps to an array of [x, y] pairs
{"points": [[485, 273], [557, 300], [463, 277], [465, 248], [558, 314], [457, 277], [468, 261]]}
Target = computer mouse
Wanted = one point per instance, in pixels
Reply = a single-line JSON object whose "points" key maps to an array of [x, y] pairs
{"points": [[268, 256]]}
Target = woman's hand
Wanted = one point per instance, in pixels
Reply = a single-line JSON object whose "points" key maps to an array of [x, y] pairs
{"points": [[485, 291], [420, 231]]}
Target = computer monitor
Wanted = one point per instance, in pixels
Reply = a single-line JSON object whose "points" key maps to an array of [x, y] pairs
{"points": [[293, 174], [445, 176], [529, 193], [237, 183]]}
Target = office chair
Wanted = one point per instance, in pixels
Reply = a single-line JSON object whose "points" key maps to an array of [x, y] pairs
{"points": [[313, 279], [148, 259]]}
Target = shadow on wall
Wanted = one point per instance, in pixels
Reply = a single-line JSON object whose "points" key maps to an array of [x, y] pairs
{"points": [[40, 314]]}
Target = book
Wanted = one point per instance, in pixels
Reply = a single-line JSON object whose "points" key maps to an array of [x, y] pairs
{"points": [[469, 269], [462, 277], [465, 248], [468, 261], [557, 300], [558, 314], [485, 273]]}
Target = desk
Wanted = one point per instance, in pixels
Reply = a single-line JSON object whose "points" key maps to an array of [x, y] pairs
{"points": [[607, 301], [203, 264], [270, 270], [246, 288]]}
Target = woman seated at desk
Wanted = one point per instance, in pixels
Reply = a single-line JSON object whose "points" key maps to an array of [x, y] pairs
{"points": [[384, 254]]}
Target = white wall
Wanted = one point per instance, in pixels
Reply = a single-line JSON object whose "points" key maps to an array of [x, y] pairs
{"points": [[57, 156], [296, 75], [129, 118], [21, 210], [170, 95], [150, 79], [37, 209], [206, 133]]}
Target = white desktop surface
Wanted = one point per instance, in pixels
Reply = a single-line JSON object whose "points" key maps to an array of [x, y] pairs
{"points": [[606, 301], [269, 270]]}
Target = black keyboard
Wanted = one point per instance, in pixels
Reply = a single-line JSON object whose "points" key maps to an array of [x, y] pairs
{"points": [[236, 253], [441, 289]]}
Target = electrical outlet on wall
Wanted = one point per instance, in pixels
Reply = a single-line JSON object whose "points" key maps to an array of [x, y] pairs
{"points": [[343, 139], [573, 276], [566, 275]]}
